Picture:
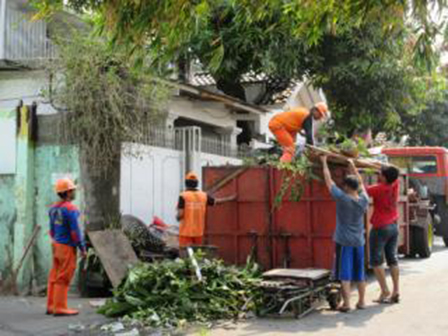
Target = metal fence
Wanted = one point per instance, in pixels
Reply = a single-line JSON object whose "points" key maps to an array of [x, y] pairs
{"points": [[218, 146], [26, 40], [179, 139]]}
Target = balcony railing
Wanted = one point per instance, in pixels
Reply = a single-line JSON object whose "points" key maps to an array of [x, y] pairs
{"points": [[176, 139]]}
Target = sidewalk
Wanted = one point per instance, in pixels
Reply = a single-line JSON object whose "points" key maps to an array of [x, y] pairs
{"points": [[26, 316]]}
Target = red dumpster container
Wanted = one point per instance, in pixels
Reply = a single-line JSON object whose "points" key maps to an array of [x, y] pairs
{"points": [[295, 235]]}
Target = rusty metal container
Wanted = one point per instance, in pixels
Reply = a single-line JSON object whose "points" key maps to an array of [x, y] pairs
{"points": [[294, 235]]}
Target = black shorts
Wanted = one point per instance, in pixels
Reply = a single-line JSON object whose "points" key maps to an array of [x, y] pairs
{"points": [[384, 242]]}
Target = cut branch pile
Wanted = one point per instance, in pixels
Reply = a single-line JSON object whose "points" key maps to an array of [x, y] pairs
{"points": [[168, 294]]}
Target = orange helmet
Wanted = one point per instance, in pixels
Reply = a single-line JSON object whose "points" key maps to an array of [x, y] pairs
{"points": [[191, 176], [63, 185], [322, 108]]}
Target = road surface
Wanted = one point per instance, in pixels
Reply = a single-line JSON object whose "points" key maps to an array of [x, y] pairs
{"points": [[423, 310]]}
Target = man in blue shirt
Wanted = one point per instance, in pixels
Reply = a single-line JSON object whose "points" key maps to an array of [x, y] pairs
{"points": [[66, 238], [351, 204]]}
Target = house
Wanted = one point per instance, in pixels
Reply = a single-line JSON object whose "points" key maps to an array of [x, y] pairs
{"points": [[200, 129], [272, 95]]}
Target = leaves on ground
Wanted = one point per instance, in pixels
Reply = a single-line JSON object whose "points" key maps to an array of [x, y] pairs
{"points": [[168, 293]]}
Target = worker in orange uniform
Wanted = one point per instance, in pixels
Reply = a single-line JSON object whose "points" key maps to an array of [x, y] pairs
{"points": [[66, 237], [191, 210], [286, 125]]}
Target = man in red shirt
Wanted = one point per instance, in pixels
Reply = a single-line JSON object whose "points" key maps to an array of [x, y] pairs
{"points": [[384, 232]]}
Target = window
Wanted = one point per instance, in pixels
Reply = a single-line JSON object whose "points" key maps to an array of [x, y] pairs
{"points": [[416, 164], [424, 165]]}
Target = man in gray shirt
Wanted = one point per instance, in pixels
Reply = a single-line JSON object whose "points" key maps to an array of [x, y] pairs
{"points": [[351, 204]]}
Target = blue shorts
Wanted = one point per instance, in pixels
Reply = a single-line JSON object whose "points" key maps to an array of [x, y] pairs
{"points": [[349, 263]]}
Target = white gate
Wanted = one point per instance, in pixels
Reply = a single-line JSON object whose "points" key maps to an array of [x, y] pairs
{"points": [[151, 182]]}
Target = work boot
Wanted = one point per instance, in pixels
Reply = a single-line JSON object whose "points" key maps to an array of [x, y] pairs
{"points": [[50, 298], [60, 301]]}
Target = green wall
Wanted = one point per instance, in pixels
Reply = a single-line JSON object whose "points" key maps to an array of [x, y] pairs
{"points": [[26, 196], [51, 162], [8, 215]]}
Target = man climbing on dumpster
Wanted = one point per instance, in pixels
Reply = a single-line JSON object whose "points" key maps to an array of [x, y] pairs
{"points": [[351, 204], [66, 237], [286, 125], [191, 211]]}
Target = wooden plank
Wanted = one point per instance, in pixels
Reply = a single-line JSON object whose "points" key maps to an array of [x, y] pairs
{"points": [[115, 252], [227, 179], [339, 158]]}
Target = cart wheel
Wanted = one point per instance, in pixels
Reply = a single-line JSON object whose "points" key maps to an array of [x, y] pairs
{"points": [[334, 299]]}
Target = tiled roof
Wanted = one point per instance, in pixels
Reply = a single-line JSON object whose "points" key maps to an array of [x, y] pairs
{"points": [[205, 79], [282, 97]]}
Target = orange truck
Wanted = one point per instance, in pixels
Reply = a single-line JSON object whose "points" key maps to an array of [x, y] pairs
{"points": [[427, 169]]}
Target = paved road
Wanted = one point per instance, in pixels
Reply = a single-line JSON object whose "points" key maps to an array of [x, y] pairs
{"points": [[26, 317], [423, 310]]}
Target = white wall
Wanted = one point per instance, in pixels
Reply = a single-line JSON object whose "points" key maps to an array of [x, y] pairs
{"points": [[150, 185], [8, 141], [209, 112], [23, 85]]}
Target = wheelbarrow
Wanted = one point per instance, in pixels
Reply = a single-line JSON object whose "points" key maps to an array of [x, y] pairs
{"points": [[297, 291]]}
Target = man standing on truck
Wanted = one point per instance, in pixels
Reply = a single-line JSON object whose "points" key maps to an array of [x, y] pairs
{"points": [[66, 236], [351, 204], [384, 233], [286, 125], [191, 211]]}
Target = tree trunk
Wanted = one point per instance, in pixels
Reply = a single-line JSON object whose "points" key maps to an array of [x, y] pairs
{"points": [[101, 192]]}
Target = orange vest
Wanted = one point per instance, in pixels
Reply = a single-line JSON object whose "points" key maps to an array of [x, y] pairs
{"points": [[193, 222], [291, 120]]}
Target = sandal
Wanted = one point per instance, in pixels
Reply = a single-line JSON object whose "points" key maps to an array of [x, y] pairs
{"points": [[394, 299], [343, 309], [360, 307], [382, 299]]}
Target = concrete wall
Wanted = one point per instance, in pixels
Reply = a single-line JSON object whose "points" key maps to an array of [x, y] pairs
{"points": [[26, 86], [51, 162], [25, 196], [212, 113], [8, 211], [8, 214], [151, 183]]}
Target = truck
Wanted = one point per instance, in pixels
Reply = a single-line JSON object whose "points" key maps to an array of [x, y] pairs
{"points": [[297, 234], [427, 168]]}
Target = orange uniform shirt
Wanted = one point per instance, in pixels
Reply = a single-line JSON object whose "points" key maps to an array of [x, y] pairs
{"points": [[195, 208], [291, 120]]}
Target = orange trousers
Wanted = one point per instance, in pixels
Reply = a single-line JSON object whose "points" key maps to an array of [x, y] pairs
{"points": [[286, 139], [185, 241], [61, 274]]}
